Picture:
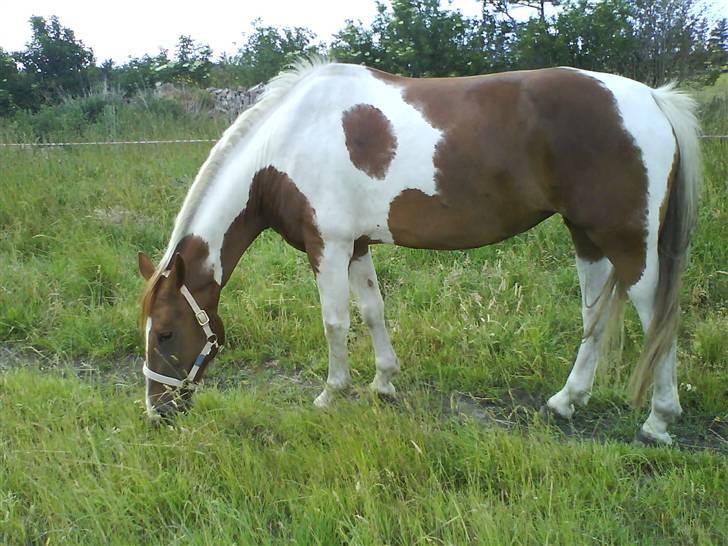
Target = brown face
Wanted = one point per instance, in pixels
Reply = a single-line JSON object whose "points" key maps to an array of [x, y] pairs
{"points": [[173, 337]]}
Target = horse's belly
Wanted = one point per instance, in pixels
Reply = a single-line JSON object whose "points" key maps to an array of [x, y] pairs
{"points": [[419, 220]]}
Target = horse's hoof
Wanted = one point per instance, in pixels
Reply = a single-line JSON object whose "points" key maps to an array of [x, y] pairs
{"points": [[652, 439], [323, 400], [561, 405], [549, 414], [329, 395], [385, 391]]}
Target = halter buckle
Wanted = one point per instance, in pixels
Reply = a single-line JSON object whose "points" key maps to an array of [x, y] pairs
{"points": [[189, 385], [202, 318]]}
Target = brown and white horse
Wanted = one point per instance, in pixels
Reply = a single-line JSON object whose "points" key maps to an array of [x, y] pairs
{"points": [[336, 157]]}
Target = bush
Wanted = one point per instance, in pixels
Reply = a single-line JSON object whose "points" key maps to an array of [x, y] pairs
{"points": [[108, 116]]}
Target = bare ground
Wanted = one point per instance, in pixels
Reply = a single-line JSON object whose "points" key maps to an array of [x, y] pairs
{"points": [[517, 411]]}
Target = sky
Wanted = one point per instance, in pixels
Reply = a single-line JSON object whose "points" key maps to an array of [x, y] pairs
{"points": [[118, 30]]}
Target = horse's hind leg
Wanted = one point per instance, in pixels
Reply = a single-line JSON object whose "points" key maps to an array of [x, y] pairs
{"points": [[363, 280], [593, 276], [333, 284], [665, 399]]}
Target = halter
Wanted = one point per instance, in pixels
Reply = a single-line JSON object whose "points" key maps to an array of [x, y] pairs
{"points": [[204, 321]]}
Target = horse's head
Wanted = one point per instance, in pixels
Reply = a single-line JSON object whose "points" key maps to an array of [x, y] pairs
{"points": [[183, 333]]}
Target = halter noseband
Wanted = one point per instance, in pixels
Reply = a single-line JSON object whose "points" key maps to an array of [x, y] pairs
{"points": [[204, 321]]}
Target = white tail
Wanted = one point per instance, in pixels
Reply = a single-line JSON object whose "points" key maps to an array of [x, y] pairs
{"points": [[676, 233]]}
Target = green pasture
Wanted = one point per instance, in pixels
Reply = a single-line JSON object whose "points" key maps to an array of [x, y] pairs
{"points": [[484, 337]]}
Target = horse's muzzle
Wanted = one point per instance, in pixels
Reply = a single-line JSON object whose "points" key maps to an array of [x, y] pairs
{"points": [[171, 404]]}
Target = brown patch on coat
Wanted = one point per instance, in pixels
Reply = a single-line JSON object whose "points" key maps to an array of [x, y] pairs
{"points": [[517, 148], [274, 202], [370, 139], [361, 247]]}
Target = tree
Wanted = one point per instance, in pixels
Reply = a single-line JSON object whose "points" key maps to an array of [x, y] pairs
{"points": [[649, 40], [596, 36], [718, 50], [267, 50], [506, 7], [191, 64], [141, 72], [8, 83], [55, 60], [671, 37], [415, 38]]}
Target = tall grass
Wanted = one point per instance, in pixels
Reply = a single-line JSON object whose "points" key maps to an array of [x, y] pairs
{"points": [[108, 115], [255, 467]]}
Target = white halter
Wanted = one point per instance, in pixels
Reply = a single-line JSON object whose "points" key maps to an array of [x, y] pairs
{"points": [[204, 321]]}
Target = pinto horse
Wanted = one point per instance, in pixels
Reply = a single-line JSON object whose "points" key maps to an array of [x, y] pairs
{"points": [[336, 157]]}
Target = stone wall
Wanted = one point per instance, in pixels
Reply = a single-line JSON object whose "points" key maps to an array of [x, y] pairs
{"points": [[233, 101]]}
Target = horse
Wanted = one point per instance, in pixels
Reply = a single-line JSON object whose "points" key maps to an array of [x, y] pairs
{"points": [[338, 157]]}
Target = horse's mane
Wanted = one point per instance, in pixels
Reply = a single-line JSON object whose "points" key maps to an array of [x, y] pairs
{"points": [[275, 91]]}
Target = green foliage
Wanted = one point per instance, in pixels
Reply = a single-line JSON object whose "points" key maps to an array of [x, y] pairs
{"points": [[596, 36], [267, 50], [643, 39], [417, 38], [649, 40], [140, 74], [108, 116], [191, 65], [717, 51], [12, 88], [671, 37], [56, 62]]}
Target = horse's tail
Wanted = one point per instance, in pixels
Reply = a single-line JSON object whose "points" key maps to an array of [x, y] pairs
{"points": [[675, 234]]}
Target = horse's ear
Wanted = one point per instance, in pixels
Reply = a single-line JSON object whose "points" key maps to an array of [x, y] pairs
{"points": [[177, 271], [146, 267]]}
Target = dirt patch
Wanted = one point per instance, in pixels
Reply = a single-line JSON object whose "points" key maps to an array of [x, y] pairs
{"points": [[517, 411]]}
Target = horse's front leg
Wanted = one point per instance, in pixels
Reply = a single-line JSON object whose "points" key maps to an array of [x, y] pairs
{"points": [[333, 284], [364, 284]]}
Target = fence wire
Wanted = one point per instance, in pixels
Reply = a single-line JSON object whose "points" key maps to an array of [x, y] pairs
{"points": [[102, 143], [174, 141]]}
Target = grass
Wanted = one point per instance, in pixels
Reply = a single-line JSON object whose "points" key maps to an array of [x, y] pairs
{"points": [[253, 463], [247, 468]]}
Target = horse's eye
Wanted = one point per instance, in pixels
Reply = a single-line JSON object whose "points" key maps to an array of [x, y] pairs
{"points": [[164, 336]]}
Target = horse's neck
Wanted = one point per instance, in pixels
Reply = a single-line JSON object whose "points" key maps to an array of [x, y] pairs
{"points": [[240, 234], [225, 217]]}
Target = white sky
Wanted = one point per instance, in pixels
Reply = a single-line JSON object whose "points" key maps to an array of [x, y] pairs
{"points": [[126, 28]]}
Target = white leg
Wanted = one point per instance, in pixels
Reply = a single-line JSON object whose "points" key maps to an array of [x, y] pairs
{"points": [[363, 279], [333, 285], [592, 277], [665, 399]]}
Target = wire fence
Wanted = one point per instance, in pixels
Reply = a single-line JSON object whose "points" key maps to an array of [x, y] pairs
{"points": [[174, 141], [102, 143]]}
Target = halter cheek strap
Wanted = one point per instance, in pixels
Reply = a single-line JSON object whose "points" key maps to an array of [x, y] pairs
{"points": [[204, 321]]}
